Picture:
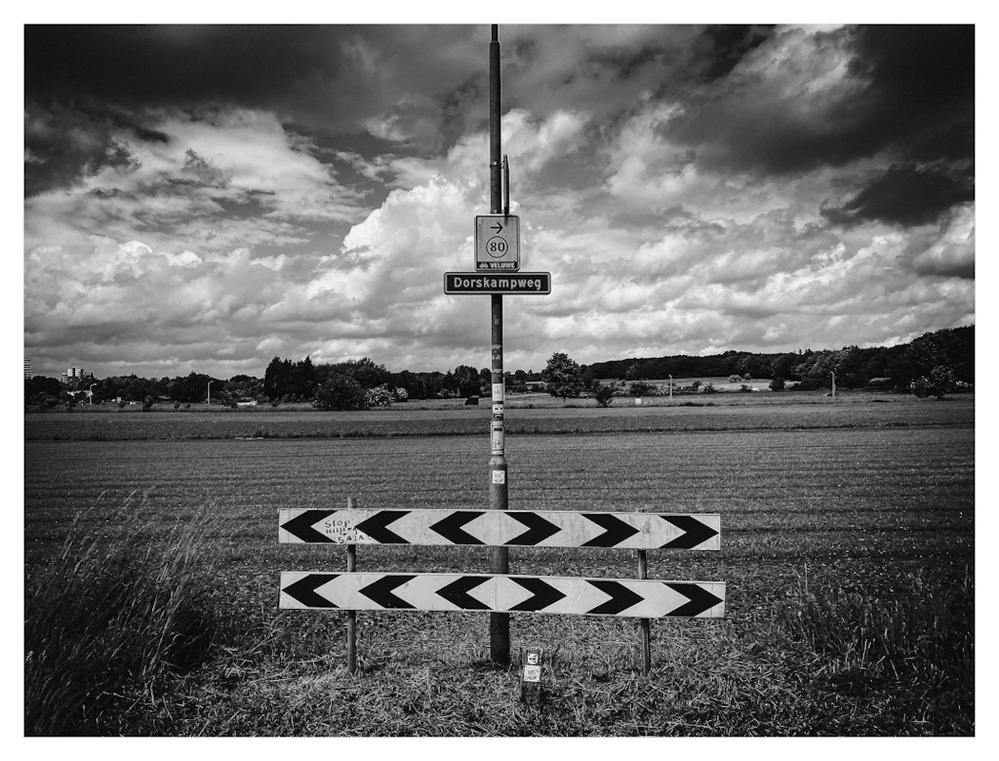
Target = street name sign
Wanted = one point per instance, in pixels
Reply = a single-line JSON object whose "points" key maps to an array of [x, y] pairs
{"points": [[497, 242], [501, 528], [518, 284], [639, 598]]}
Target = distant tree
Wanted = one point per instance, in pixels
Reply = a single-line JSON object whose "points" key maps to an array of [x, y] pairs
{"points": [[940, 381], [467, 380], [40, 384], [604, 395], [192, 388], [777, 384], [340, 392], [292, 381], [366, 372], [277, 378], [562, 376]]}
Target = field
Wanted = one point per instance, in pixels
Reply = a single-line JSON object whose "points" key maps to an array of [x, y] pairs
{"points": [[847, 549]]}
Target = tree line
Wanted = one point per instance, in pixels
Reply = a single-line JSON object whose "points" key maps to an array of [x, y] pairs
{"points": [[944, 359], [894, 367]]}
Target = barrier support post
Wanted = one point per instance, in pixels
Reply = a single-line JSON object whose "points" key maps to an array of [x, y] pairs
{"points": [[351, 614], [643, 573]]}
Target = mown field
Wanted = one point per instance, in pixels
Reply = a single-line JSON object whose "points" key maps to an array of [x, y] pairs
{"points": [[847, 549]]}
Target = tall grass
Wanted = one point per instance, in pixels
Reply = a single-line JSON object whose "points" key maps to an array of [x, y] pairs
{"points": [[118, 608], [916, 640]]}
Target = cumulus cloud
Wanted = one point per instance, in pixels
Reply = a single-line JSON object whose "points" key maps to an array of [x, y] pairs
{"points": [[690, 189]]}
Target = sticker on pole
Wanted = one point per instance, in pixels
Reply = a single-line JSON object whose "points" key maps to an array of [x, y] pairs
{"points": [[497, 242]]}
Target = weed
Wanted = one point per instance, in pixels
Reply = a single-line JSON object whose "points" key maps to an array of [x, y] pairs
{"points": [[110, 616]]}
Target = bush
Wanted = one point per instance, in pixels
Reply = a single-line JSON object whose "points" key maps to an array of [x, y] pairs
{"points": [[110, 617], [340, 392], [643, 389], [604, 395], [939, 382], [777, 384], [380, 396]]}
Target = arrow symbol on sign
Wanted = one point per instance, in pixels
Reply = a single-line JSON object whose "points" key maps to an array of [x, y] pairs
{"points": [[457, 592], [622, 598], [304, 590], [381, 591], [375, 526], [450, 527], [497, 227], [615, 530], [700, 599], [694, 532], [538, 529], [543, 594], [302, 524]]}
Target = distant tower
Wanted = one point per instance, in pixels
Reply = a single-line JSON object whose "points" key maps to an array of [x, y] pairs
{"points": [[27, 368]]}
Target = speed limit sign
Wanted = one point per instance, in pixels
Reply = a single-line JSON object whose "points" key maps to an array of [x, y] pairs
{"points": [[497, 242]]}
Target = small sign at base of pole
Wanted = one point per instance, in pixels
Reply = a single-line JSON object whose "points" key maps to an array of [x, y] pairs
{"points": [[530, 684]]}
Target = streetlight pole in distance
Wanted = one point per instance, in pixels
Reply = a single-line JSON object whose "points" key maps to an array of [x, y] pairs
{"points": [[92, 394]]}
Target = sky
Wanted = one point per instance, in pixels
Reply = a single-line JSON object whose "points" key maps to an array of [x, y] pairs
{"points": [[203, 198]]}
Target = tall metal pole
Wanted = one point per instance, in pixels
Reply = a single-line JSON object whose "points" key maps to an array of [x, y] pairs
{"points": [[499, 623]]}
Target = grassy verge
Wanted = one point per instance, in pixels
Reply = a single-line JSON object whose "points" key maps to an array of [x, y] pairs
{"points": [[159, 615], [115, 613]]}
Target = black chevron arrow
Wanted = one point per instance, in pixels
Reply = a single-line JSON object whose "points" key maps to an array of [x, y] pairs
{"points": [[622, 598], [381, 591], [695, 532], [304, 590], [450, 527], [615, 530], [700, 599], [457, 593], [375, 526], [301, 525], [544, 594], [538, 529]]}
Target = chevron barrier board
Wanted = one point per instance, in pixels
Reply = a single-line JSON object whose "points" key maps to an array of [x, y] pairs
{"points": [[502, 594], [501, 528]]}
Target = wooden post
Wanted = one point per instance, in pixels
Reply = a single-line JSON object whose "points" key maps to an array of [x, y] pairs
{"points": [[643, 623], [351, 614], [643, 573]]}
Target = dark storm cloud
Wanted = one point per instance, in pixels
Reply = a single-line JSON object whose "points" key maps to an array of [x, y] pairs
{"points": [[914, 96], [84, 82], [922, 92], [167, 64], [906, 196], [726, 44], [61, 144]]}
